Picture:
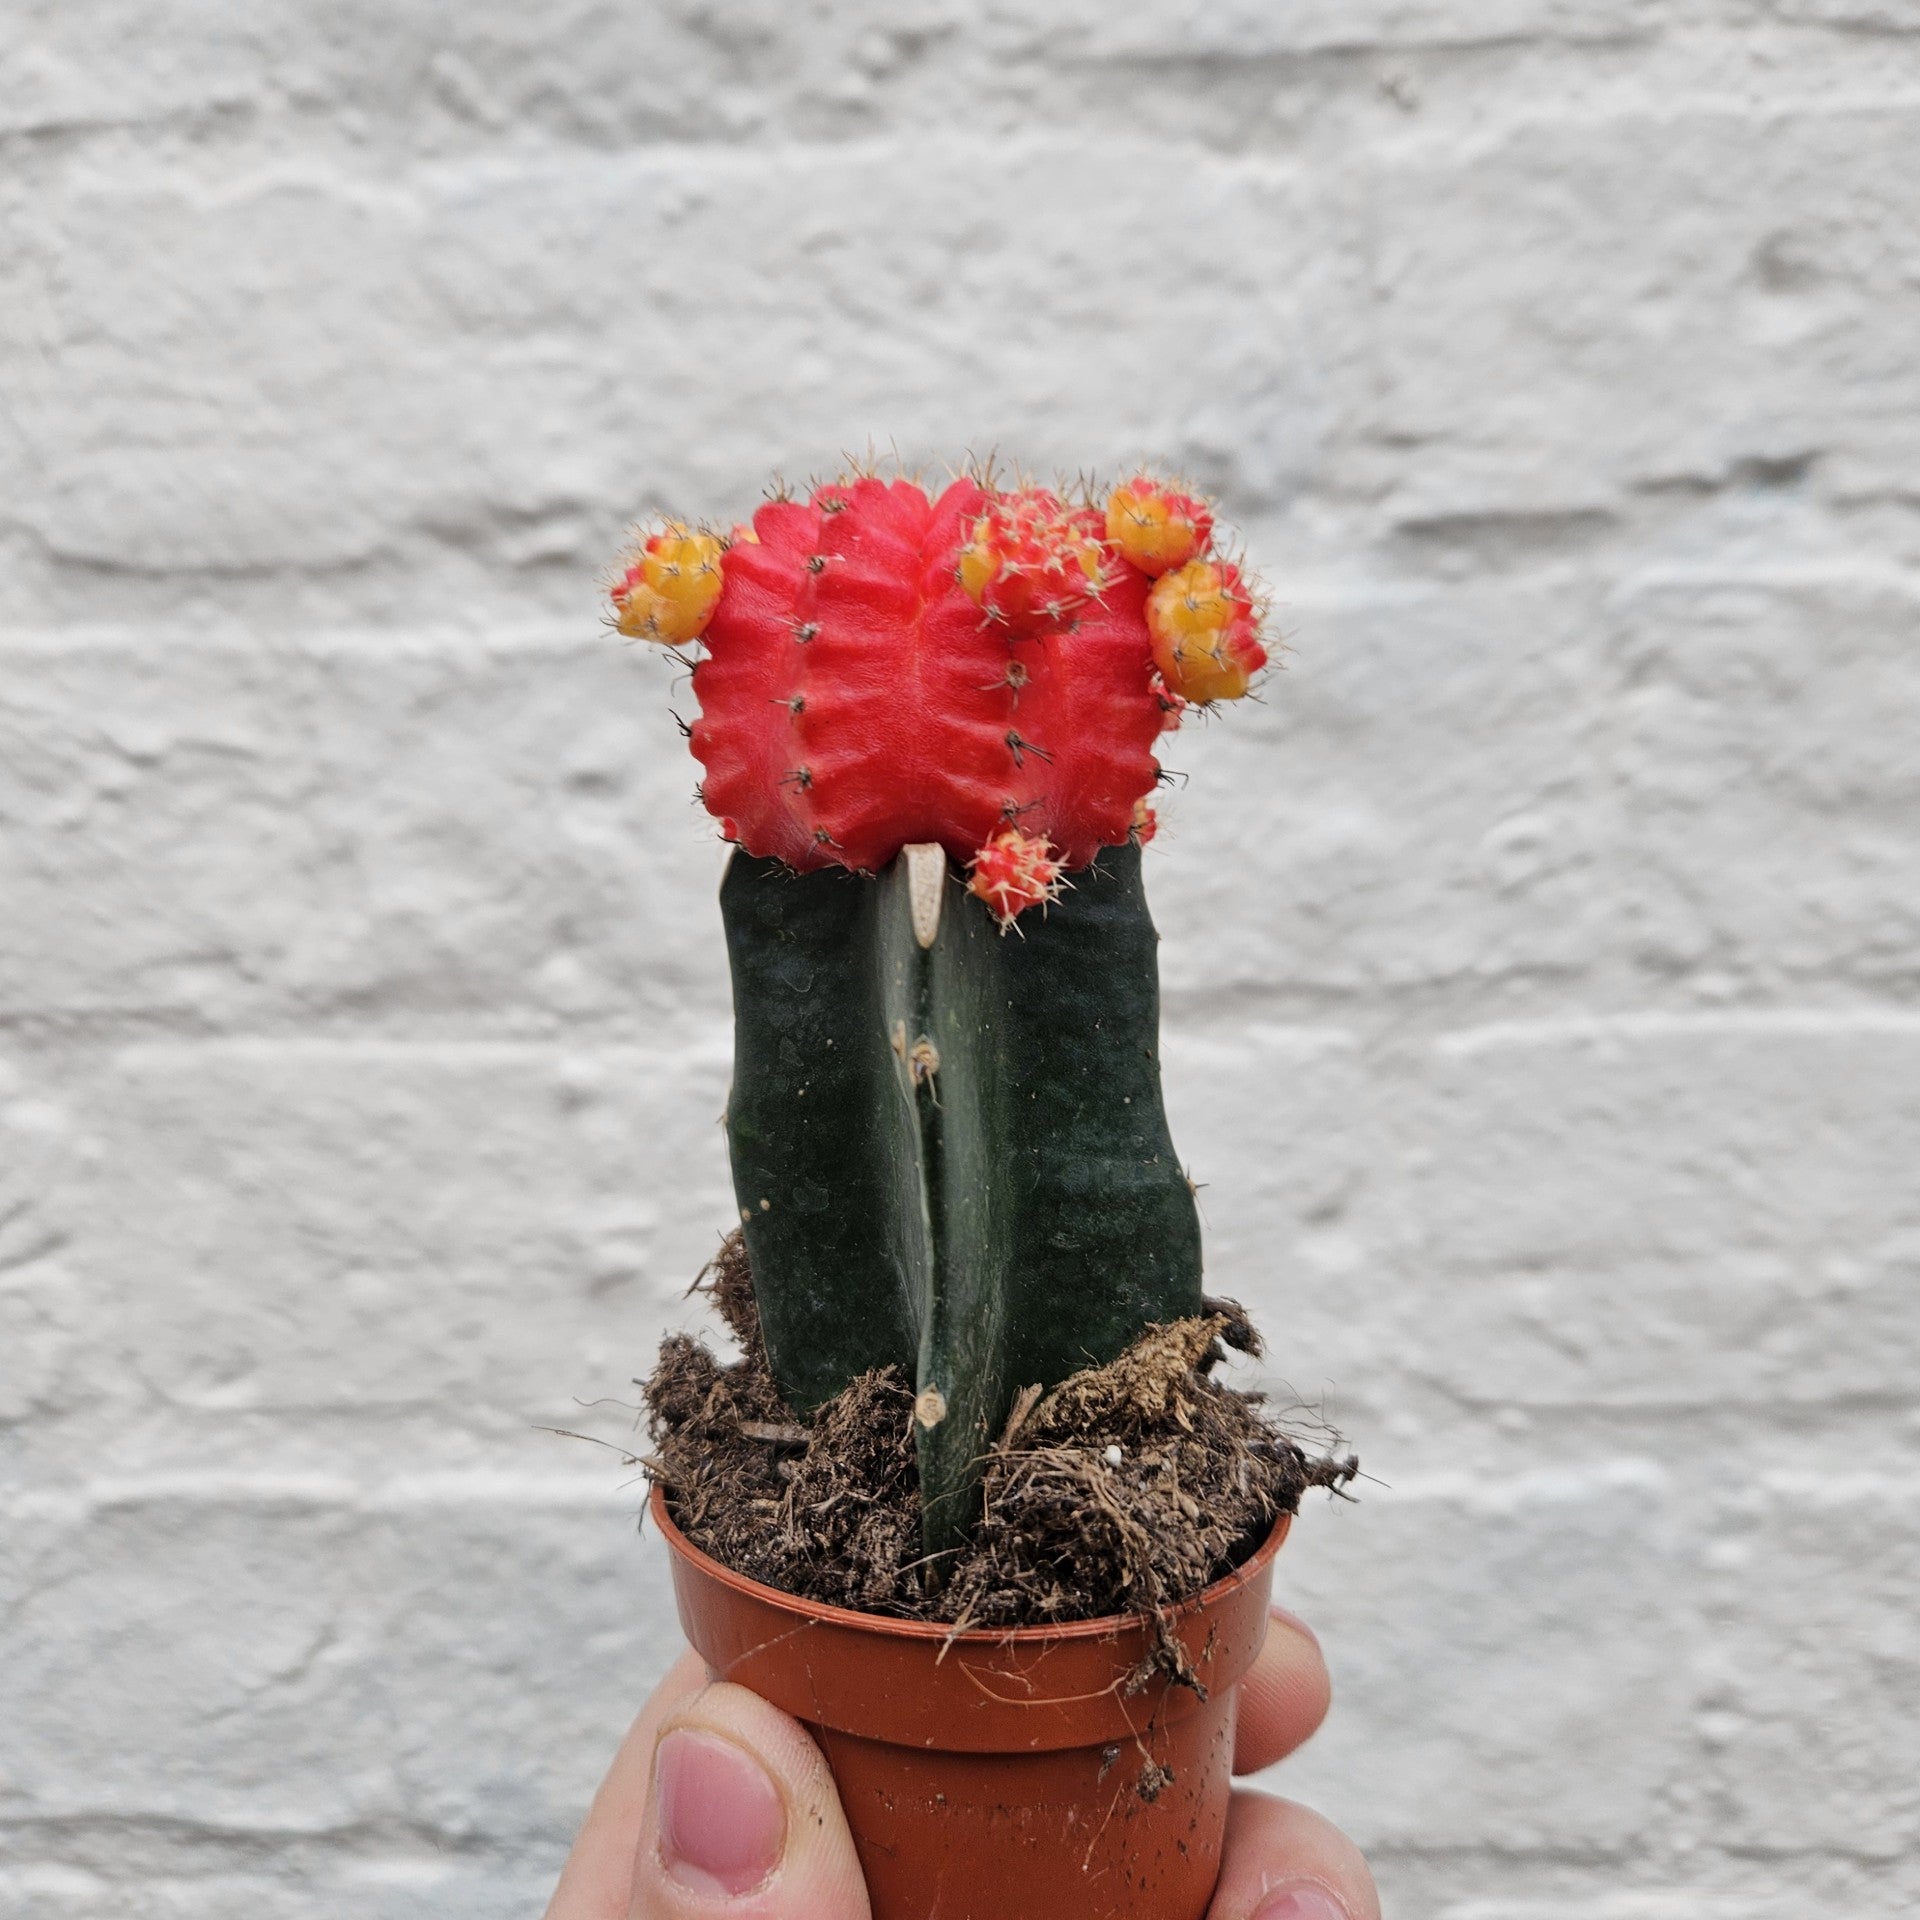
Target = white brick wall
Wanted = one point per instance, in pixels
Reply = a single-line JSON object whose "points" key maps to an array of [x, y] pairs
{"points": [[1543, 959]]}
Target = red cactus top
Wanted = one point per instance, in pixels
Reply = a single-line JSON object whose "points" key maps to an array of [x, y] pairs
{"points": [[979, 669]]}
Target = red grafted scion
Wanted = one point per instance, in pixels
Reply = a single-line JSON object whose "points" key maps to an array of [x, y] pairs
{"points": [[986, 670], [856, 697]]}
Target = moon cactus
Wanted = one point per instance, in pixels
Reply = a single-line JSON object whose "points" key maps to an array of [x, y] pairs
{"points": [[927, 724]]}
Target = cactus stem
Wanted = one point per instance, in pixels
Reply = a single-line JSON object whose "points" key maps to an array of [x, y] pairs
{"points": [[994, 1215]]}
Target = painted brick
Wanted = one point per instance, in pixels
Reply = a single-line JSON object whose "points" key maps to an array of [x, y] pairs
{"points": [[1541, 958], [496, 362], [266, 1226], [1560, 247], [310, 1661], [1658, 793], [240, 837], [1442, 1736]]}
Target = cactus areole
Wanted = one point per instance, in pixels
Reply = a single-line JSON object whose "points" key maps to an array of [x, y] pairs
{"points": [[926, 724]]}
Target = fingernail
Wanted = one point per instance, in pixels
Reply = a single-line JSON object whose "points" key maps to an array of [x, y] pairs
{"points": [[721, 1821], [1303, 1902]]}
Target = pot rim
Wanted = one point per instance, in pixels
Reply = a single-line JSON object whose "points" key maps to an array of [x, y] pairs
{"points": [[1106, 1626]]}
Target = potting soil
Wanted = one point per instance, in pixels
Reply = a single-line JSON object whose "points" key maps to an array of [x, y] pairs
{"points": [[1127, 1488]]}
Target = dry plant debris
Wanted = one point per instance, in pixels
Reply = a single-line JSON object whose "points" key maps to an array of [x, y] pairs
{"points": [[1128, 1488]]}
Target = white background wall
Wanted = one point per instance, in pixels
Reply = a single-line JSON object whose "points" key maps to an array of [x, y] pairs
{"points": [[1543, 958]]}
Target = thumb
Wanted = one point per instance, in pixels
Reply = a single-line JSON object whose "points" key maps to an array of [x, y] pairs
{"points": [[742, 1821]]}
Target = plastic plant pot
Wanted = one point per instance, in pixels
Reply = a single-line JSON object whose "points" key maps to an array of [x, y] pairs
{"points": [[1011, 1774]]}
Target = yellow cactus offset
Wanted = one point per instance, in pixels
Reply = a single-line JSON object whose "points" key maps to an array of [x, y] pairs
{"points": [[1156, 527], [670, 586], [1206, 634]]}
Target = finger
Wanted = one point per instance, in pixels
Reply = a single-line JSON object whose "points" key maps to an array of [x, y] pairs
{"points": [[597, 1881], [1284, 1862], [1284, 1696], [743, 1822]]}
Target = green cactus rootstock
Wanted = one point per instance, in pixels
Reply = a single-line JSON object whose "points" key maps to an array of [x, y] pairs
{"points": [[951, 1157]]}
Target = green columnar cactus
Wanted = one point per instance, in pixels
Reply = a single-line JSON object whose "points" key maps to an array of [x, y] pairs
{"points": [[951, 1156], [926, 724]]}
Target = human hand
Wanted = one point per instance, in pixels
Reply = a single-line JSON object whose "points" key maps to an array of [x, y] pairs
{"points": [[720, 1807]]}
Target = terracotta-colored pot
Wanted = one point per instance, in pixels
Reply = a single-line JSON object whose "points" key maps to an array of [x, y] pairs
{"points": [[1006, 1775]]}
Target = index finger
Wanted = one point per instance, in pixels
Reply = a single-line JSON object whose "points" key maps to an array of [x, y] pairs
{"points": [[1284, 1696]]}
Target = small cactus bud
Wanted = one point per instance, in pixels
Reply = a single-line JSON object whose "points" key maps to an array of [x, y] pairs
{"points": [[670, 587], [1013, 872], [1206, 636], [1155, 527], [1031, 561], [1146, 823]]}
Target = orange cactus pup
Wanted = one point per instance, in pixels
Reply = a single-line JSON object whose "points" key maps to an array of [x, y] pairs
{"points": [[1206, 632], [1155, 527], [669, 586]]}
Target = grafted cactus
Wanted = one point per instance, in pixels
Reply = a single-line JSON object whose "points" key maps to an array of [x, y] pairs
{"points": [[927, 723]]}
